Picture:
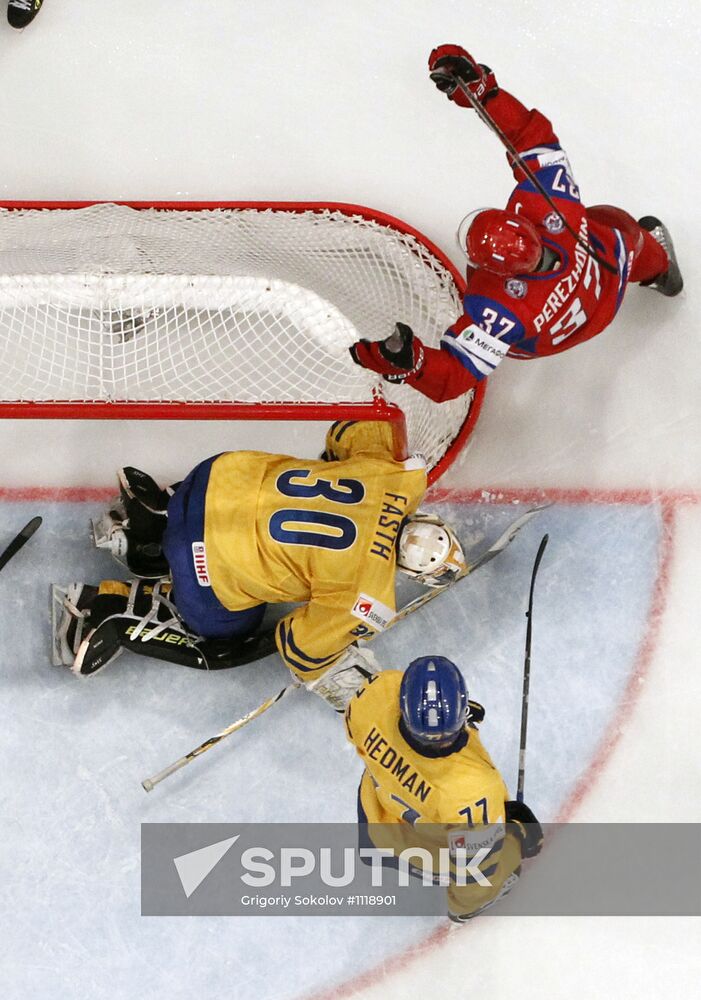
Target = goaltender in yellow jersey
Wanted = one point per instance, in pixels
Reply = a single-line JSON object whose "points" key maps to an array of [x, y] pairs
{"points": [[246, 529], [429, 782], [320, 533]]}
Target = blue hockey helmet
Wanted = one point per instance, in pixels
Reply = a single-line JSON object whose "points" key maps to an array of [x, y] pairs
{"points": [[433, 701]]}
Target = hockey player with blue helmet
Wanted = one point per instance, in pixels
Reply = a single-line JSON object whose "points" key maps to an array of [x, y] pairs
{"points": [[429, 781]]}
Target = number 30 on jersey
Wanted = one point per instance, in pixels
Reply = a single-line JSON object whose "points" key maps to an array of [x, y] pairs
{"points": [[324, 529]]}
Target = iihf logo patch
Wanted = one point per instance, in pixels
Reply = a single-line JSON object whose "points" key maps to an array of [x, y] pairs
{"points": [[515, 288], [553, 223], [199, 558]]}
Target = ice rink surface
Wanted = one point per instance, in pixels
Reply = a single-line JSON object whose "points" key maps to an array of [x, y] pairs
{"points": [[289, 101]]}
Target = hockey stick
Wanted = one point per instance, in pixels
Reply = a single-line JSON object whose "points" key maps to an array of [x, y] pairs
{"points": [[484, 115], [527, 675], [498, 546], [20, 539], [148, 784]]}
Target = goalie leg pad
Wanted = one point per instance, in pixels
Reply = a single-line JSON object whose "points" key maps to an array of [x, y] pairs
{"points": [[70, 612], [80, 611], [92, 626]]}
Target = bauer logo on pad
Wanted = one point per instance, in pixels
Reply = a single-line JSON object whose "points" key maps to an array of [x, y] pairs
{"points": [[372, 611], [199, 558]]}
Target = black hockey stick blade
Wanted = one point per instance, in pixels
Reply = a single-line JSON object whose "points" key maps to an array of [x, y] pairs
{"points": [[20, 539], [527, 674], [539, 555]]}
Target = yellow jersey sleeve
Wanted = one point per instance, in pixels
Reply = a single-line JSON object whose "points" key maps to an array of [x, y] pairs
{"points": [[314, 636], [349, 438]]}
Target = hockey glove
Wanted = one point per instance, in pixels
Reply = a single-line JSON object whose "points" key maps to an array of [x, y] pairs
{"points": [[475, 716], [526, 827], [451, 65], [394, 358]]}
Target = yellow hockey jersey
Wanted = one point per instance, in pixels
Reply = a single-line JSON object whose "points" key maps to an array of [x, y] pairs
{"points": [[458, 798], [322, 533]]}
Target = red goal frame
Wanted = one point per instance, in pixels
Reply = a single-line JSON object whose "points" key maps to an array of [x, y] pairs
{"points": [[378, 409]]}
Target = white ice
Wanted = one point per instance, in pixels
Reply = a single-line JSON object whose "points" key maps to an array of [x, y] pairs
{"points": [[289, 101]]}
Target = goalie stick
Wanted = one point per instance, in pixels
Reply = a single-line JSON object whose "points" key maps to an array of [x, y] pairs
{"points": [[20, 539], [507, 536]]}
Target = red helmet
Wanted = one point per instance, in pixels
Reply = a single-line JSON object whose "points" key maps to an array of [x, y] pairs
{"points": [[503, 243]]}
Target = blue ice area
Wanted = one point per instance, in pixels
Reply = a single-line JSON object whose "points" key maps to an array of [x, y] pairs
{"points": [[74, 752]]}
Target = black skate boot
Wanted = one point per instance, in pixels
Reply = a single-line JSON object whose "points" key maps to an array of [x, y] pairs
{"points": [[20, 13], [669, 283]]}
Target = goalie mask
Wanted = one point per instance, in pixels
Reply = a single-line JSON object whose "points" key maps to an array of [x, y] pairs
{"points": [[429, 551]]}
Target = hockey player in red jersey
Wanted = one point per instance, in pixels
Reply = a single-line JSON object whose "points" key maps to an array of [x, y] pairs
{"points": [[544, 275]]}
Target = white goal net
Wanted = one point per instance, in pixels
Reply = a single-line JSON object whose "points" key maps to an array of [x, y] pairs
{"points": [[197, 307]]}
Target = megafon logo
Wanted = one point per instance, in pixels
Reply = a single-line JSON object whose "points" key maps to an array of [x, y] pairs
{"points": [[199, 558], [372, 611]]}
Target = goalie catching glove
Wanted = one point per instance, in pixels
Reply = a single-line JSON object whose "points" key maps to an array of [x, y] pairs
{"points": [[451, 65], [395, 358]]}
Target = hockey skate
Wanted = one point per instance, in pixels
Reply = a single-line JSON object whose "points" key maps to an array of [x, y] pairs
{"points": [[670, 283], [20, 13]]}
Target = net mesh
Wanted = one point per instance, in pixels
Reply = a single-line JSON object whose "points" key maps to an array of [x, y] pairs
{"points": [[222, 305]]}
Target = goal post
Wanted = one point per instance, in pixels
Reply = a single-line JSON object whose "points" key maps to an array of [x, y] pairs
{"points": [[227, 310]]}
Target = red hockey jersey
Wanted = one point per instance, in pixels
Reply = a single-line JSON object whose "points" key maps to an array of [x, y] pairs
{"points": [[532, 315]]}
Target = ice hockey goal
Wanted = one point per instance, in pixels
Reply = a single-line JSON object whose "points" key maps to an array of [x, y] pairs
{"points": [[226, 310]]}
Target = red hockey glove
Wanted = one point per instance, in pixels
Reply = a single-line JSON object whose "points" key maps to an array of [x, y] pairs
{"points": [[394, 358], [450, 65]]}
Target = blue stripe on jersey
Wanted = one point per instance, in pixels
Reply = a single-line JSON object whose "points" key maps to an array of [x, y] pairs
{"points": [[449, 344], [556, 182], [534, 153], [340, 428], [496, 321], [289, 647], [526, 349], [622, 261]]}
